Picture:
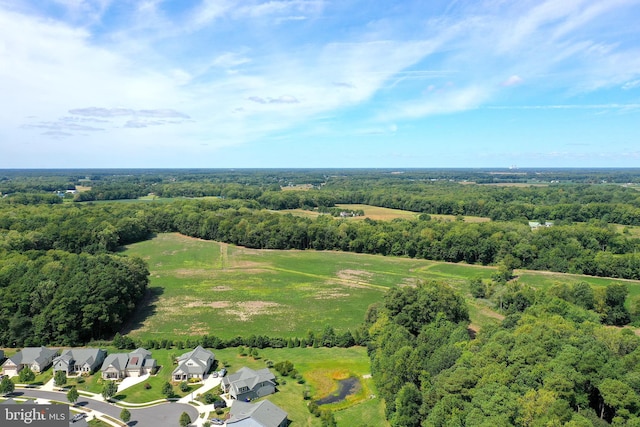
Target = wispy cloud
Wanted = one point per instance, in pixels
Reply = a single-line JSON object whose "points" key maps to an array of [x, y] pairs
{"points": [[220, 73], [123, 112], [512, 81], [282, 99]]}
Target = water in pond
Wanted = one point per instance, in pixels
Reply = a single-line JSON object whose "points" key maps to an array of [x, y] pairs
{"points": [[345, 388]]}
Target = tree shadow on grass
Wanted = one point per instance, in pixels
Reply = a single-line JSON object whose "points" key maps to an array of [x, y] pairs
{"points": [[144, 309]]}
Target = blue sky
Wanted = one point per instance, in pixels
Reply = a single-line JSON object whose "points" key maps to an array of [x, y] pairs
{"points": [[319, 83]]}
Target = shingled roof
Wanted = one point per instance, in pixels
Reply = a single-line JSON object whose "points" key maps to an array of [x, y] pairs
{"points": [[264, 414]]}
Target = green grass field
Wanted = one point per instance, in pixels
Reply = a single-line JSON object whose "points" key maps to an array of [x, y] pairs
{"points": [[321, 368], [201, 287], [381, 214]]}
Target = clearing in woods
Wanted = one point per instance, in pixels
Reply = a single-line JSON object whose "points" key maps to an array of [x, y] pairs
{"points": [[202, 287], [381, 214]]}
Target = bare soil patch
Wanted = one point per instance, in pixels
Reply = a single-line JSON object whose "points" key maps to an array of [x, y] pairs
{"points": [[354, 278], [330, 294], [211, 304], [247, 309]]}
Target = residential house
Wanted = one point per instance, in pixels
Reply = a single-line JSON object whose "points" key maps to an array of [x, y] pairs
{"points": [[194, 364], [121, 365], [262, 414], [79, 360], [114, 366], [247, 384], [140, 363], [37, 358]]}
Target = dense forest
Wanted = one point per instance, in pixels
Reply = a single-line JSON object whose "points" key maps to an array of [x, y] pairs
{"points": [[547, 364]]}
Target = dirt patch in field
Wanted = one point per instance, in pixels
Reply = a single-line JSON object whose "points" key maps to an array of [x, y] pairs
{"points": [[354, 278], [330, 294], [198, 328], [246, 310], [212, 304], [354, 275], [348, 284]]}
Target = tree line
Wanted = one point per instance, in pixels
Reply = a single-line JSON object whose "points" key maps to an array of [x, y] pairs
{"points": [[593, 248]]}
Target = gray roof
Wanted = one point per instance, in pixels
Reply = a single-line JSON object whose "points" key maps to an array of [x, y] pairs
{"points": [[264, 414], [247, 377], [82, 355], [138, 358], [117, 360], [197, 353], [141, 351], [30, 355], [200, 357]]}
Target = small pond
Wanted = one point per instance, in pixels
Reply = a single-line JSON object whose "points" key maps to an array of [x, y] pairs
{"points": [[346, 388]]}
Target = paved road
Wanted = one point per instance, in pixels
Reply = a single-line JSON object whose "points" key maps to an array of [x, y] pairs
{"points": [[163, 415]]}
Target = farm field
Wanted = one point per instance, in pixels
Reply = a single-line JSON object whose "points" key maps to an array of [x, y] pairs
{"points": [[382, 214], [202, 287]]}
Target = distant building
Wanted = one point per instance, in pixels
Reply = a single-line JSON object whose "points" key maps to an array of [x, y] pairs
{"points": [[535, 225]]}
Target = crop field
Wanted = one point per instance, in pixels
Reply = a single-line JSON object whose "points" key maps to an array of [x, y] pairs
{"points": [[201, 287]]}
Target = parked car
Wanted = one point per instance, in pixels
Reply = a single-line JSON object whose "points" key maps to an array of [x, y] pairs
{"points": [[78, 417], [216, 421], [222, 372]]}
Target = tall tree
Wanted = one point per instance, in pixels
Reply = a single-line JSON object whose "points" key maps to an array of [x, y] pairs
{"points": [[60, 378], [6, 386], [73, 395], [109, 389]]}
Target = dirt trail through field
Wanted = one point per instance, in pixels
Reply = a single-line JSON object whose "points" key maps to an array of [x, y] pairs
{"points": [[224, 256]]}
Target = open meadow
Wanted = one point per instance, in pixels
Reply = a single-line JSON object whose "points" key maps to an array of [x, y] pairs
{"points": [[202, 287], [380, 214]]}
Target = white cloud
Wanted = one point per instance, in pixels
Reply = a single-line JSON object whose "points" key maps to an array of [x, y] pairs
{"points": [[514, 80]]}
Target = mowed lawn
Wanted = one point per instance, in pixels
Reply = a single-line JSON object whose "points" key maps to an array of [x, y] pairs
{"points": [[202, 287]]}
